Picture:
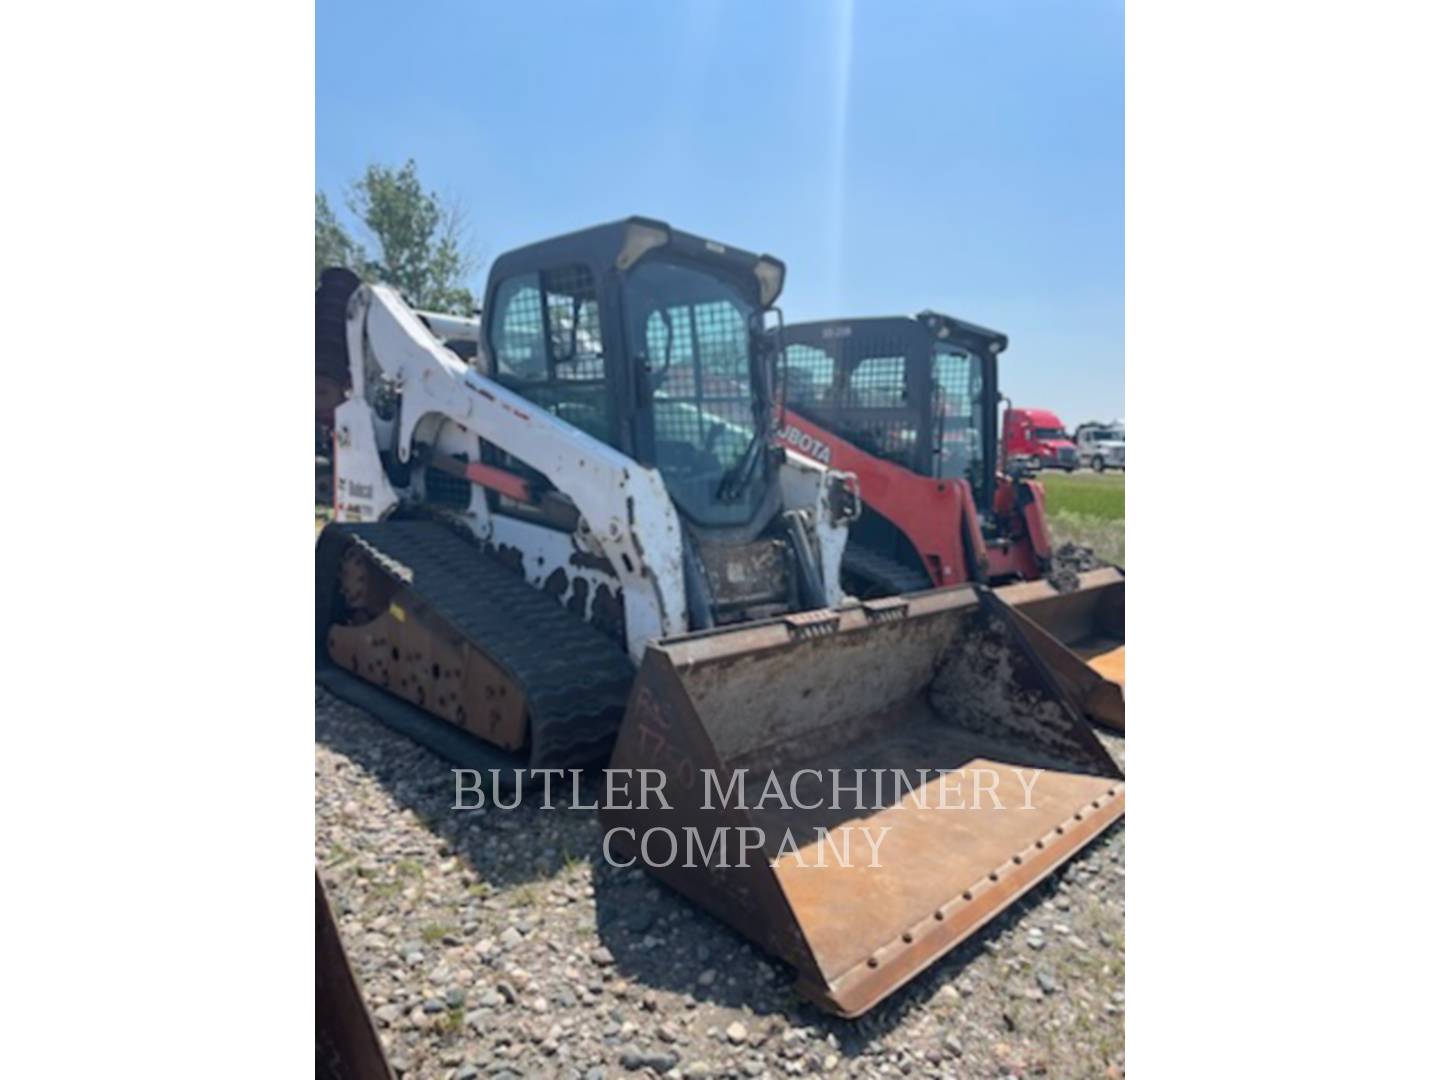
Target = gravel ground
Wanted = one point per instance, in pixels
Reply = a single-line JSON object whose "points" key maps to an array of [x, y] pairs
{"points": [[499, 943]]}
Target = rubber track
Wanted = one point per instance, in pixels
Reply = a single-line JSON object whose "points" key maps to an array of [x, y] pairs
{"points": [[576, 679], [881, 572]]}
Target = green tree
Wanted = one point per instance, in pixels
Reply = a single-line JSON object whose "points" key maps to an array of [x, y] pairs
{"points": [[423, 248], [420, 241], [333, 245]]}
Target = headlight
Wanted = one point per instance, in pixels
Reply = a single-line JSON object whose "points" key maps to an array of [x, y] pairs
{"points": [[771, 275]]}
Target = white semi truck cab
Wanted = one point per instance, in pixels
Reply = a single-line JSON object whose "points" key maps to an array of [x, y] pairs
{"points": [[1101, 446]]}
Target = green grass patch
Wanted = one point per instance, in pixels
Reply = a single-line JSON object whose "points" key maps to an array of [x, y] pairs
{"points": [[386, 890], [1086, 494], [1087, 508]]}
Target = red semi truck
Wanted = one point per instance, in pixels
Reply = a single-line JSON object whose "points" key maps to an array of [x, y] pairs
{"points": [[1039, 435]]}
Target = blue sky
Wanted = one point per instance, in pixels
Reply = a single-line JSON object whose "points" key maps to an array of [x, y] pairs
{"points": [[966, 156]]}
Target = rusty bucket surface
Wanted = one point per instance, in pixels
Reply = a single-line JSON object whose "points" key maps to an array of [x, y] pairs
{"points": [[347, 1046], [1080, 635], [932, 695]]}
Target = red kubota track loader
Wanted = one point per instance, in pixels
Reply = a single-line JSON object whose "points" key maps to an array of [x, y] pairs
{"points": [[910, 406]]}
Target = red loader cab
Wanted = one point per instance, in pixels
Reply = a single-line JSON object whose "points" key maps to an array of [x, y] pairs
{"points": [[911, 407]]}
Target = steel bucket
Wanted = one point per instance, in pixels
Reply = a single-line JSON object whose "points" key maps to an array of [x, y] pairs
{"points": [[934, 689], [1080, 635]]}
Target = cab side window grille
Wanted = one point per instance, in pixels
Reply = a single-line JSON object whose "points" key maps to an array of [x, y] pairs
{"points": [[519, 337], [878, 382], [809, 375], [573, 314], [547, 345]]}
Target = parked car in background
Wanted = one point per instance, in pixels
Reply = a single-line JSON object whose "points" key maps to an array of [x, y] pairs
{"points": [[1101, 446], [1038, 435]]}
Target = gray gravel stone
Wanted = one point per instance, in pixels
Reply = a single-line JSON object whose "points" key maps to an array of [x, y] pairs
{"points": [[503, 908], [602, 956], [660, 1060]]}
